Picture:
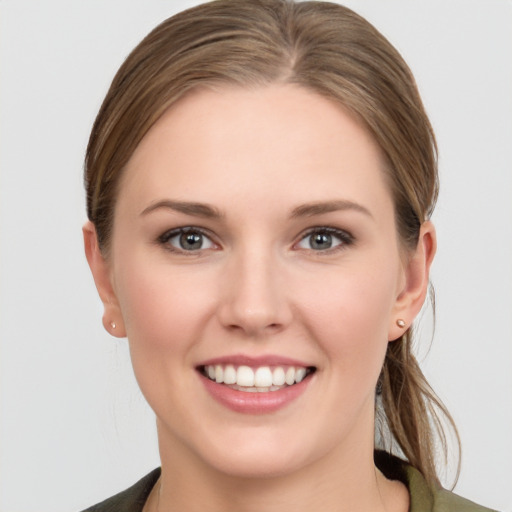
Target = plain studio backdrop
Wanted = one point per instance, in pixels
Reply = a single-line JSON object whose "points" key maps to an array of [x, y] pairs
{"points": [[74, 427]]}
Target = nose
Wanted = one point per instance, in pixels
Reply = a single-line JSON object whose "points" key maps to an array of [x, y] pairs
{"points": [[254, 296]]}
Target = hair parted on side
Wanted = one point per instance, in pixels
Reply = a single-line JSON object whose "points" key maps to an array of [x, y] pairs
{"points": [[327, 49]]}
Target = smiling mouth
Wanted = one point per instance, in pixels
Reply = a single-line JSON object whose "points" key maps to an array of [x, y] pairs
{"points": [[261, 379]]}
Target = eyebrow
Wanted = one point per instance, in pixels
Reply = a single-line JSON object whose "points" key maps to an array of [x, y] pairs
{"points": [[319, 208], [210, 212], [188, 208]]}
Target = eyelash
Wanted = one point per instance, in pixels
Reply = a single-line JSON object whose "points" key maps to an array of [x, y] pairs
{"points": [[188, 230], [344, 237]]}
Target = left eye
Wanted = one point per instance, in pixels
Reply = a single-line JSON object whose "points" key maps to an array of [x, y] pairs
{"points": [[187, 240], [324, 239]]}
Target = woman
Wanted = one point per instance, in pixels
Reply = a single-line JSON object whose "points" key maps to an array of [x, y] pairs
{"points": [[259, 180]]}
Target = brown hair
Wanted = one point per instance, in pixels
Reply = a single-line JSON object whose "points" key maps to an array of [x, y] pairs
{"points": [[325, 48]]}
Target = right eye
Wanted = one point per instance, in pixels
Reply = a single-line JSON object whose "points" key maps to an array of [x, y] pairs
{"points": [[188, 239]]}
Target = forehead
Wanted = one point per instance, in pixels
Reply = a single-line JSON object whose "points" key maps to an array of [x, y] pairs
{"points": [[279, 138]]}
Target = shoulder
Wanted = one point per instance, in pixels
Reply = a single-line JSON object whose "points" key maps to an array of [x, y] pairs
{"points": [[446, 501], [130, 500], [423, 497]]}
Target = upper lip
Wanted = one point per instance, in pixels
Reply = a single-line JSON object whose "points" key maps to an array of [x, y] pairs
{"points": [[254, 362]]}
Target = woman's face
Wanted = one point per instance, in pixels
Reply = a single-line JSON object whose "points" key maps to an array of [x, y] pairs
{"points": [[254, 238]]}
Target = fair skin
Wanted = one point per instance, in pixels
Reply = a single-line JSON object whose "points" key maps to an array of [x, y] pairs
{"points": [[290, 258]]}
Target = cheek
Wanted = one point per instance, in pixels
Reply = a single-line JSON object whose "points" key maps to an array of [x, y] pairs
{"points": [[350, 317], [165, 312], [164, 307]]}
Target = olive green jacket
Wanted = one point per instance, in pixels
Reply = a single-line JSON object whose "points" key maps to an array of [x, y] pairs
{"points": [[422, 497]]}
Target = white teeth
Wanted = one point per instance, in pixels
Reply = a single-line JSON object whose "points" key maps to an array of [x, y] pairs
{"points": [[278, 376], [245, 376], [300, 373], [290, 376], [229, 374], [263, 377]]}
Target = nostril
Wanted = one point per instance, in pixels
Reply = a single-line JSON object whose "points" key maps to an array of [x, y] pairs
{"points": [[234, 327], [270, 327]]}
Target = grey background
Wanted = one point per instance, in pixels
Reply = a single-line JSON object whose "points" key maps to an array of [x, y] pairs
{"points": [[74, 428]]}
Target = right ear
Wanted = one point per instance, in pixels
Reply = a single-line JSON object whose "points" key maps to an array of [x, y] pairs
{"points": [[101, 272]]}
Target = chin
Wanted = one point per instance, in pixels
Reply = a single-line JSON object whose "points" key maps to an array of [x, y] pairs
{"points": [[256, 466], [259, 454]]}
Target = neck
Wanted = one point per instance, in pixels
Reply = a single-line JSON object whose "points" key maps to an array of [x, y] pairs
{"points": [[339, 482]]}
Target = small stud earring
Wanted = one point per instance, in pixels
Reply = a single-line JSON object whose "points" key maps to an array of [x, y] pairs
{"points": [[400, 323], [113, 325]]}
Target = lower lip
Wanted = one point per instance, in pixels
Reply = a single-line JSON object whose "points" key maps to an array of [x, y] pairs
{"points": [[254, 403]]}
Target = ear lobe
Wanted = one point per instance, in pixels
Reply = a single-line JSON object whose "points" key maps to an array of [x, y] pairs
{"points": [[101, 272], [416, 272]]}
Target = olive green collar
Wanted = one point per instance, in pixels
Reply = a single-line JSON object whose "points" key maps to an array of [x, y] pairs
{"points": [[423, 498]]}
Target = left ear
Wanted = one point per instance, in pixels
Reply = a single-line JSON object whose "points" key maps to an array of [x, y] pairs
{"points": [[415, 283]]}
